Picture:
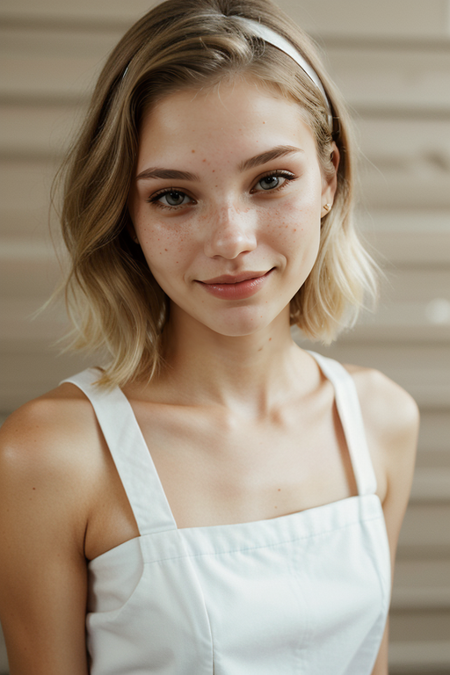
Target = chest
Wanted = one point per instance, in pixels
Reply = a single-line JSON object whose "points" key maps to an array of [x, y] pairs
{"points": [[222, 475], [217, 472]]}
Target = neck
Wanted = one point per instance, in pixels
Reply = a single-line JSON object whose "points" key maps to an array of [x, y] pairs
{"points": [[249, 374]]}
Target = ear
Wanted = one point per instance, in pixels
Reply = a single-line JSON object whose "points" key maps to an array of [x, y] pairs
{"points": [[329, 183]]}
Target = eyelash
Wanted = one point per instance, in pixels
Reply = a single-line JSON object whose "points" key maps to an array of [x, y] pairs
{"points": [[278, 173]]}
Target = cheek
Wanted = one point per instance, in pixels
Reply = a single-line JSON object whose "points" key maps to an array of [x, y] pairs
{"points": [[166, 250], [297, 236], [296, 225]]}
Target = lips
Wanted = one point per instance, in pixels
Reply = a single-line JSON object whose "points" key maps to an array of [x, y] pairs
{"points": [[235, 279], [236, 286]]}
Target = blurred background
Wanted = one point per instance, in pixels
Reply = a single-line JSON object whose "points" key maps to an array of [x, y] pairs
{"points": [[391, 58]]}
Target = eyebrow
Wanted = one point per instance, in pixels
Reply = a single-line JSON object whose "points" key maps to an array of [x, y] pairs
{"points": [[166, 173], [263, 158]]}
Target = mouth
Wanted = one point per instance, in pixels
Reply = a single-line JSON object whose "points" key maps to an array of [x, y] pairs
{"points": [[236, 286], [235, 279]]}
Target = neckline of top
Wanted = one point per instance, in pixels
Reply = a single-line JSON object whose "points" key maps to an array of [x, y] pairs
{"points": [[137, 470], [267, 532]]}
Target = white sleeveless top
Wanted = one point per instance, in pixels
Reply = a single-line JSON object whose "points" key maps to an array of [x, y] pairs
{"points": [[302, 594]]}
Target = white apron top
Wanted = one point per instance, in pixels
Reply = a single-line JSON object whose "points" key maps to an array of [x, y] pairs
{"points": [[303, 594]]}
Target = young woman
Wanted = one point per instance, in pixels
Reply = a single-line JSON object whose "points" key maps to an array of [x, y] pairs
{"points": [[215, 499]]}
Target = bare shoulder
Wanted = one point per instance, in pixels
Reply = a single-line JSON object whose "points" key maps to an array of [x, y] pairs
{"points": [[44, 445], [46, 427], [391, 420], [390, 413]]}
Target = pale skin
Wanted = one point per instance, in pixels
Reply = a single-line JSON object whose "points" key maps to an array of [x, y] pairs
{"points": [[236, 388]]}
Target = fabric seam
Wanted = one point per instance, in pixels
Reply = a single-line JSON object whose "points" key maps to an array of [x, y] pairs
{"points": [[254, 548]]}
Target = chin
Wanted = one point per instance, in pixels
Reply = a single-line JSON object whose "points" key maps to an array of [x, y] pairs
{"points": [[242, 323]]}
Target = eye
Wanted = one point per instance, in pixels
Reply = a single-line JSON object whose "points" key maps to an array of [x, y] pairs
{"points": [[273, 181], [173, 199]]}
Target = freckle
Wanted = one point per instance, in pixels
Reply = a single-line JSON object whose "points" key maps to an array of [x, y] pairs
{"points": [[165, 249], [279, 489], [276, 507], [204, 160], [270, 339], [34, 488], [214, 171], [260, 350], [295, 230], [192, 150]]}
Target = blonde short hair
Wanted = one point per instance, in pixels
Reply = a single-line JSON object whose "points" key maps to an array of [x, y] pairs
{"points": [[112, 298]]}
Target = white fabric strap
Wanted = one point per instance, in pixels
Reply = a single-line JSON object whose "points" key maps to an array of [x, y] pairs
{"points": [[130, 454], [267, 34], [350, 414]]}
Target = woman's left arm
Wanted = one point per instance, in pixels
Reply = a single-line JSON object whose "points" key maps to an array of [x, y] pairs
{"points": [[391, 418]]}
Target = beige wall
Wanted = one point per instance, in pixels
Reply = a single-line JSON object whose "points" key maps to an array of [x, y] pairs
{"points": [[392, 60]]}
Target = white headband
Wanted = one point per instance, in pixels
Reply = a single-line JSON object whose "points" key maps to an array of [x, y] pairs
{"points": [[257, 29]]}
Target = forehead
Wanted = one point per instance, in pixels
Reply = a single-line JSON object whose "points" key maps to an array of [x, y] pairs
{"points": [[232, 118]]}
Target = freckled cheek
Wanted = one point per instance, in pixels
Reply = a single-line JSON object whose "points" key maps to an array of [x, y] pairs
{"points": [[294, 225], [165, 249]]}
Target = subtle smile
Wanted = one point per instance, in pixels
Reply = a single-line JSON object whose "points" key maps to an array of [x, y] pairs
{"points": [[236, 287]]}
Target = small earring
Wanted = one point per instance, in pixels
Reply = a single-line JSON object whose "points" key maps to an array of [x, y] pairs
{"points": [[326, 208]]}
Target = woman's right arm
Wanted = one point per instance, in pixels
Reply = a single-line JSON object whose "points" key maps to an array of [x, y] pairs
{"points": [[43, 573]]}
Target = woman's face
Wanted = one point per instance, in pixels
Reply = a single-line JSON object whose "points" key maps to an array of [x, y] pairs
{"points": [[226, 204]]}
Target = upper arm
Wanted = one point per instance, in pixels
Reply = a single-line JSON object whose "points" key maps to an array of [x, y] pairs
{"points": [[398, 442], [394, 420], [43, 584], [391, 419]]}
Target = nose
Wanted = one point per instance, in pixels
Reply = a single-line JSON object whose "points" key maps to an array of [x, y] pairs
{"points": [[230, 233]]}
